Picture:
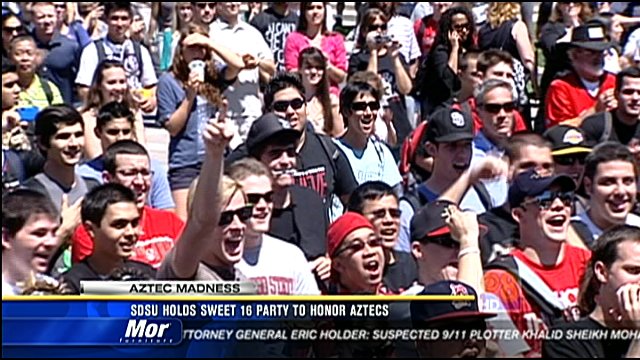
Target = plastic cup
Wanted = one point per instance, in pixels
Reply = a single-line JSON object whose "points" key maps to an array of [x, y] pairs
{"points": [[198, 66]]}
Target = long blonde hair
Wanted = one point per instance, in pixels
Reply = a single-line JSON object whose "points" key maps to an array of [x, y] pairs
{"points": [[500, 12], [180, 68]]}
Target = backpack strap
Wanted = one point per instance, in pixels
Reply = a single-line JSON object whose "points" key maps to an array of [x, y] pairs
{"points": [[413, 198], [137, 50], [331, 150], [583, 232], [608, 127], [46, 87], [102, 55], [532, 285], [483, 194]]}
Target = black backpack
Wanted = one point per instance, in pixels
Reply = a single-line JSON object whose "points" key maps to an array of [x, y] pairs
{"points": [[137, 50]]}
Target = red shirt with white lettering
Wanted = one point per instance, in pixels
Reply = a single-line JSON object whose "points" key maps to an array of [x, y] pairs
{"points": [[563, 279], [567, 97], [159, 232]]}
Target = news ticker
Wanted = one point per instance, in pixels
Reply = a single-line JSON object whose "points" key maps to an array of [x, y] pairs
{"points": [[221, 326]]}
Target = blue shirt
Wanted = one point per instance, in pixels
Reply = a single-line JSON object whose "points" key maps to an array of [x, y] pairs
{"points": [[61, 63], [499, 188], [160, 194], [187, 148]]}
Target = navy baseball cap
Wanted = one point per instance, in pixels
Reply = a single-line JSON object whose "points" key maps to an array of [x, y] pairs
{"points": [[429, 312], [530, 183], [267, 127], [449, 125]]}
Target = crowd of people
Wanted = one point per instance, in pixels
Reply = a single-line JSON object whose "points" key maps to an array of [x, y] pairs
{"points": [[435, 148]]}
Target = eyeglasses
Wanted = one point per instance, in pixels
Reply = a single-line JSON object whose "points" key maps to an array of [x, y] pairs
{"points": [[569, 160], [630, 92], [358, 245], [129, 174], [382, 213], [255, 198], [461, 27], [244, 214], [362, 106], [374, 27], [546, 199], [282, 106], [496, 108], [202, 5]]}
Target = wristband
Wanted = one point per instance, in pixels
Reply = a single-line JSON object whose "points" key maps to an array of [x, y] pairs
{"points": [[468, 251]]}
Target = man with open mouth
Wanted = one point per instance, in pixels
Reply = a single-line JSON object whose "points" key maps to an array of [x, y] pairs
{"points": [[544, 271], [610, 180]]}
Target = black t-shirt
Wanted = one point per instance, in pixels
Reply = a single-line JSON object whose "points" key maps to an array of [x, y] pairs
{"points": [[275, 28], [441, 83], [502, 230], [594, 127], [282, 225], [84, 271], [402, 274], [386, 70], [570, 347]]}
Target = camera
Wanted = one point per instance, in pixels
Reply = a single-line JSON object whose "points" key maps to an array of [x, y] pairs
{"points": [[383, 39]]}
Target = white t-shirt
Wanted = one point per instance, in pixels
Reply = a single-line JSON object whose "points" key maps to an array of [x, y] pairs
{"points": [[124, 53], [278, 268]]}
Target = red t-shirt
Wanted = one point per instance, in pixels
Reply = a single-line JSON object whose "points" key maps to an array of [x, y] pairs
{"points": [[567, 98], [160, 231], [563, 279], [518, 120], [428, 30]]}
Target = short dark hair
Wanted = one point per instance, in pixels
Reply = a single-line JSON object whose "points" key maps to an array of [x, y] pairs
{"points": [[49, 120], [22, 37], [369, 191], [8, 67], [604, 153], [493, 57], [631, 71], [464, 61], [122, 147], [606, 251], [19, 205], [116, 6], [281, 81], [96, 202], [111, 111], [350, 92], [520, 140]]}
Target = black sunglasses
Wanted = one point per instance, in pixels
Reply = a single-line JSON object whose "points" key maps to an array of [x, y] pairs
{"points": [[255, 198], [289, 150], [203, 5], [630, 91], [282, 106], [546, 199], [243, 214], [12, 29], [569, 160], [358, 245], [362, 106], [496, 108], [460, 27], [382, 213], [443, 240], [374, 27]]}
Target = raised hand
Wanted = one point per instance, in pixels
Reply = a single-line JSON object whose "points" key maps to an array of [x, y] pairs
{"points": [[463, 225], [218, 132]]}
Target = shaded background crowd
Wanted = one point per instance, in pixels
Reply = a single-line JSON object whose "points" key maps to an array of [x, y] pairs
{"points": [[446, 148]]}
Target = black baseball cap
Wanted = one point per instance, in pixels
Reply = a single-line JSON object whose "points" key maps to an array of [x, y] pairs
{"points": [[429, 312], [429, 224], [591, 36], [530, 183], [449, 125], [268, 127], [567, 140]]}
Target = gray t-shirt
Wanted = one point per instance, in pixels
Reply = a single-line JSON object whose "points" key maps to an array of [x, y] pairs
{"points": [[46, 185]]}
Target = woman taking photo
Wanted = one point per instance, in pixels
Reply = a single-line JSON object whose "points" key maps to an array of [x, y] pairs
{"points": [[109, 84], [381, 55], [323, 107], [189, 94], [312, 32]]}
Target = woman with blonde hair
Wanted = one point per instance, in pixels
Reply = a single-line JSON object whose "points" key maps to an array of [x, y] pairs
{"points": [[109, 84], [506, 31], [190, 94], [323, 107]]}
